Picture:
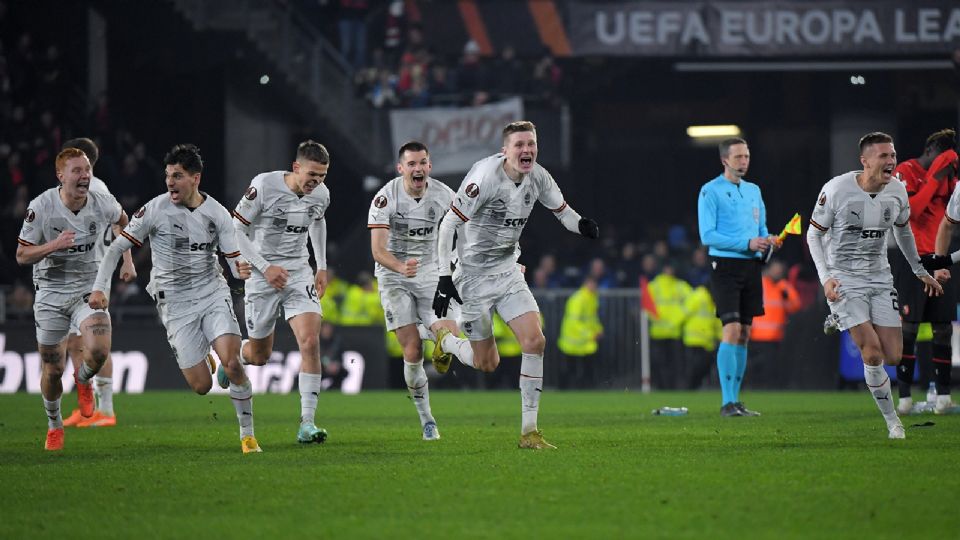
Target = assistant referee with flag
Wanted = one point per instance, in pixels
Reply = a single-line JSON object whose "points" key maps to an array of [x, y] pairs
{"points": [[733, 225]]}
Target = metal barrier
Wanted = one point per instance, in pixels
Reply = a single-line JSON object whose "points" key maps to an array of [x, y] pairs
{"points": [[619, 358]]}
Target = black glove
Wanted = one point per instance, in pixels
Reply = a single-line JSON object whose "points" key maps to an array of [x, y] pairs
{"points": [[441, 299], [936, 262], [589, 228]]}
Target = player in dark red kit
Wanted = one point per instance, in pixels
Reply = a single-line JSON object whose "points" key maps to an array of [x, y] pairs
{"points": [[930, 180]]}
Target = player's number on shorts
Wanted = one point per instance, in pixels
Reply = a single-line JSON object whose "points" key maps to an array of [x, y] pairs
{"points": [[312, 292], [896, 305]]}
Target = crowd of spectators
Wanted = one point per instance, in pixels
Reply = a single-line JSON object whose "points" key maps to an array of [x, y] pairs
{"points": [[395, 66], [626, 261], [43, 102]]}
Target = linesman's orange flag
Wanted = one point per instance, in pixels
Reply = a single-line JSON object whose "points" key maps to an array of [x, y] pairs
{"points": [[792, 227], [646, 299]]}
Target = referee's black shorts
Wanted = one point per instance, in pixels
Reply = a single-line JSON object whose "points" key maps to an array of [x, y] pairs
{"points": [[915, 305], [737, 289]]}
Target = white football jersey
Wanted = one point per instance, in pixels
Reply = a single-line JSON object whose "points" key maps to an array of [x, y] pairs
{"points": [[413, 224], [184, 245], [858, 223], [97, 184], [495, 210], [277, 219], [953, 207], [74, 269]]}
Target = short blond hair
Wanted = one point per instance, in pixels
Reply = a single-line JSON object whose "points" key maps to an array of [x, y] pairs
{"points": [[518, 127]]}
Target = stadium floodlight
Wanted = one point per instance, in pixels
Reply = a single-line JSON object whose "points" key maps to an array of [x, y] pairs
{"points": [[713, 132]]}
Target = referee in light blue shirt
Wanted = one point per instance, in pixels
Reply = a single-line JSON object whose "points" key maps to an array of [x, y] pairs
{"points": [[733, 225]]}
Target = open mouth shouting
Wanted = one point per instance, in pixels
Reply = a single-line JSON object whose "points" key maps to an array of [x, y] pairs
{"points": [[526, 162], [419, 180], [309, 186]]}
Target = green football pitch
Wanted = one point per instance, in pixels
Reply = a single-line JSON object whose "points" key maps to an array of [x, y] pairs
{"points": [[815, 465]]}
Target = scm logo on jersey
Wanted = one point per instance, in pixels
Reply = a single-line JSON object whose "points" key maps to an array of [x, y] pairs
{"points": [[514, 222], [875, 233], [82, 248], [296, 228], [202, 246], [421, 231]]}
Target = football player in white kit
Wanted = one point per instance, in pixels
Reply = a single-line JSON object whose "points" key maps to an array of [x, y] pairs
{"points": [[60, 237], [403, 221], [186, 228], [272, 221], [490, 210], [859, 208], [103, 415]]}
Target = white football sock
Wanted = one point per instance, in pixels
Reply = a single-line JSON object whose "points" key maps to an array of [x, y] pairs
{"points": [[460, 348], [310, 387], [85, 373], [416, 379], [54, 419], [103, 386], [425, 333], [243, 359], [878, 383], [531, 386], [242, 397]]}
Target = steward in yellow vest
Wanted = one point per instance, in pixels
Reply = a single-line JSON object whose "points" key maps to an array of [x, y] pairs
{"points": [[579, 333], [669, 293]]}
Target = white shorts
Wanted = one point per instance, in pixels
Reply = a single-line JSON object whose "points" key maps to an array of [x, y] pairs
{"points": [[262, 308], [411, 302], [57, 315], [507, 293], [193, 326], [877, 305]]}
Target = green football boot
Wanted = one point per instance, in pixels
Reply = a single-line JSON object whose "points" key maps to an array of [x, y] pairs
{"points": [[310, 433]]}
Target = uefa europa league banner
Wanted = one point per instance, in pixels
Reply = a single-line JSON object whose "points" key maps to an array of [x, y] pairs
{"points": [[457, 137], [767, 29]]}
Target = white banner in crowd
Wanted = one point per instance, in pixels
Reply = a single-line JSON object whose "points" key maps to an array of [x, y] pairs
{"points": [[456, 137]]}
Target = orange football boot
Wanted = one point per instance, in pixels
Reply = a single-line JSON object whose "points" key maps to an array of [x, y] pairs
{"points": [[54, 439], [85, 398], [74, 418], [98, 419]]}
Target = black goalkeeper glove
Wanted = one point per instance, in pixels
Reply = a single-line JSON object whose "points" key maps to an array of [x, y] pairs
{"points": [[936, 262], [441, 299], [589, 228]]}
